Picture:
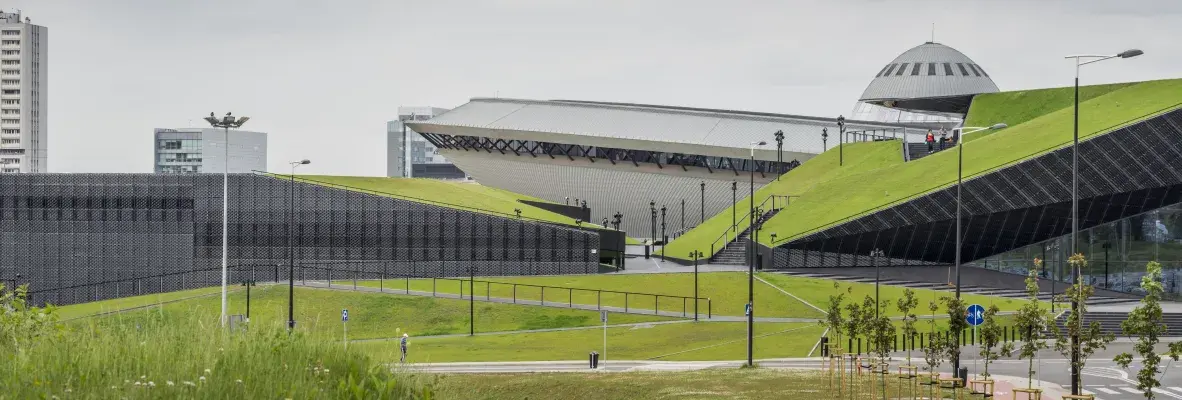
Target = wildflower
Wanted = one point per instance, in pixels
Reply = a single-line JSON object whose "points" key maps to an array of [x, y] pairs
{"points": [[142, 377], [68, 390], [239, 381], [137, 383], [188, 383], [326, 370], [152, 384], [169, 383], [114, 387], [207, 370], [126, 381], [202, 378]]}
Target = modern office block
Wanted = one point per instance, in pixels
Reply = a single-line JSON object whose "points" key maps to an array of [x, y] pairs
{"points": [[197, 150]]}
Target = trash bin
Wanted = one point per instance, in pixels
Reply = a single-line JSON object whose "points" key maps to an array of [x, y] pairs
{"points": [[963, 375], [593, 358], [824, 346]]}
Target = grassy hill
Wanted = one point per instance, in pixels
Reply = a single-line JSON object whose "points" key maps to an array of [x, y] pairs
{"points": [[318, 312], [844, 198], [859, 157], [466, 196], [874, 175], [1017, 107]]}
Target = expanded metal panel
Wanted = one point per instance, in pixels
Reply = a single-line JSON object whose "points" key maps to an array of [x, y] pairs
{"points": [[85, 237]]}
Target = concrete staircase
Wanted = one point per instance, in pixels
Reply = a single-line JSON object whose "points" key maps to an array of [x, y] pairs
{"points": [[1110, 322], [735, 252], [967, 289], [919, 150]]}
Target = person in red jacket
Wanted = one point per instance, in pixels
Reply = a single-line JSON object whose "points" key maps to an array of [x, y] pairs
{"points": [[931, 140]]}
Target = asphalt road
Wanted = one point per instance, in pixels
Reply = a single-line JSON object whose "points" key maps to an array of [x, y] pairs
{"points": [[1101, 376]]}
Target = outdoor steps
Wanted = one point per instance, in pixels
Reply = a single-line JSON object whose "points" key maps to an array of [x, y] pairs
{"points": [[1110, 322], [964, 289], [920, 150], [736, 252]]}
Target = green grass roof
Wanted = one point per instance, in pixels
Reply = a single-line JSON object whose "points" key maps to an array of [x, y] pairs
{"points": [[859, 157], [465, 196], [1039, 120], [1017, 107]]}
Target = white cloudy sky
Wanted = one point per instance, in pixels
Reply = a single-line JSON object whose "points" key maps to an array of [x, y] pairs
{"points": [[322, 77]]}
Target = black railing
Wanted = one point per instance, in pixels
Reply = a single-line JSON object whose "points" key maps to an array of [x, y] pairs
{"points": [[732, 232]]}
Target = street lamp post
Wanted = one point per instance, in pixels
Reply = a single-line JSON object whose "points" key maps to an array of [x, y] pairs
{"points": [[840, 140], [734, 189], [652, 209], [663, 238], [1075, 380], [877, 277], [824, 139], [227, 122], [751, 264], [695, 254], [702, 207], [779, 135], [683, 215], [291, 248], [959, 183]]}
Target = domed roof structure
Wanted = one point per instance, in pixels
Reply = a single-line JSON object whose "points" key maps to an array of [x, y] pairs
{"points": [[930, 77]]}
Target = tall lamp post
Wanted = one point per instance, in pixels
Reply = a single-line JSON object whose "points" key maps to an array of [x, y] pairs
{"points": [[824, 139], [291, 248], [751, 264], [959, 183], [227, 122], [1079, 61], [662, 233], [840, 140], [652, 209], [779, 135]]}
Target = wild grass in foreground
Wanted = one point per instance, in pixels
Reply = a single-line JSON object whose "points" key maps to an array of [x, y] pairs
{"points": [[755, 383], [173, 358]]}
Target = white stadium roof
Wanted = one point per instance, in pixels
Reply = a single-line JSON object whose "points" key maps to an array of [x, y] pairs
{"points": [[638, 126]]}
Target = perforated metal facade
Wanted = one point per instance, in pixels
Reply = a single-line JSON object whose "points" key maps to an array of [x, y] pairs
{"points": [[85, 237]]}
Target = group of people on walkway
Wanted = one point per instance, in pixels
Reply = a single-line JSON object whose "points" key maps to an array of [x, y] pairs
{"points": [[931, 139]]}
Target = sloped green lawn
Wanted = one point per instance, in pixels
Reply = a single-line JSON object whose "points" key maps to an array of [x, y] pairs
{"points": [[859, 157], [854, 195]]}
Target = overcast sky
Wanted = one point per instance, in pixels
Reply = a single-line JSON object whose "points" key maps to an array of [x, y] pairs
{"points": [[323, 77]]}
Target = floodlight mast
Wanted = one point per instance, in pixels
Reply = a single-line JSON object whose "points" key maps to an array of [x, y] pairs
{"points": [[225, 123]]}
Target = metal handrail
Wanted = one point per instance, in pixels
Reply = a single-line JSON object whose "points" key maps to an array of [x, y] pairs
{"points": [[941, 186], [733, 229]]}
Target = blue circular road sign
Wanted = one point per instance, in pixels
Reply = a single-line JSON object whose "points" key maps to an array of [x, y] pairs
{"points": [[975, 315]]}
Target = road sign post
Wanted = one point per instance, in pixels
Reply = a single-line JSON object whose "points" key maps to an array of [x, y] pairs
{"points": [[603, 318], [975, 316], [345, 326]]}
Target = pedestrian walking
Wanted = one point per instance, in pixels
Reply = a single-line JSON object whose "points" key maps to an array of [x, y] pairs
{"points": [[402, 345], [931, 140], [943, 138]]}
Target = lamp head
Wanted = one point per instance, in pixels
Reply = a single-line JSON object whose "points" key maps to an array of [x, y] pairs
{"points": [[305, 162], [759, 143], [998, 125], [840, 120], [1130, 53]]}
